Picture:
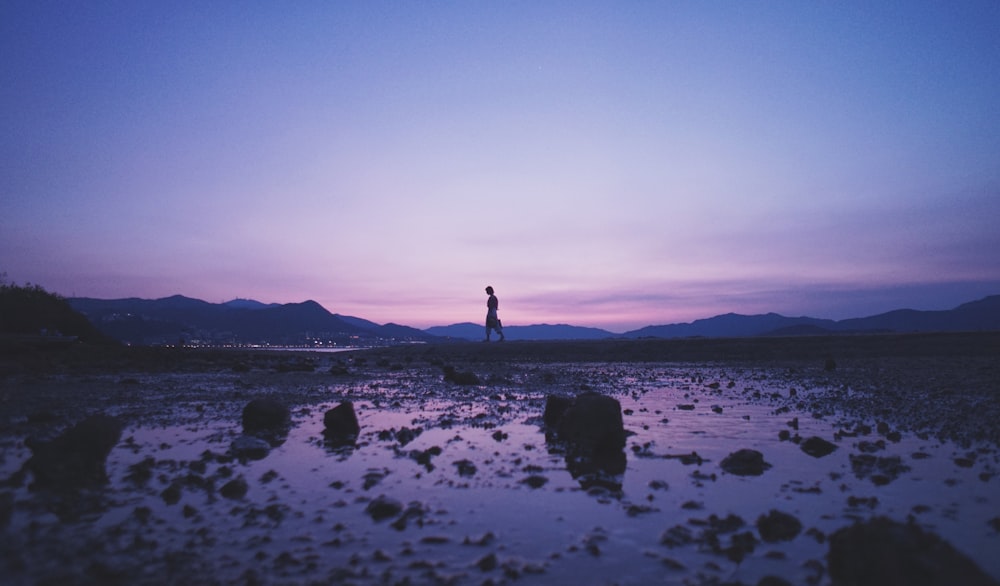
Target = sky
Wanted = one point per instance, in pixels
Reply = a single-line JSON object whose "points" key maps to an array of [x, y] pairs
{"points": [[605, 164]]}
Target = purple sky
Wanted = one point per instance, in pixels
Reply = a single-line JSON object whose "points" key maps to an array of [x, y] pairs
{"points": [[612, 164]]}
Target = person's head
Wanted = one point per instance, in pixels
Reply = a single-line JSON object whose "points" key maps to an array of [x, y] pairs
{"points": [[489, 290]]}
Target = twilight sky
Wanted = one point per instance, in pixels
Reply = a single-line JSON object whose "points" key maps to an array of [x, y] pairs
{"points": [[611, 164]]}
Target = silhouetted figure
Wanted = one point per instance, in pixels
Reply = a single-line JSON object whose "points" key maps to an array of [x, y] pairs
{"points": [[492, 321]]}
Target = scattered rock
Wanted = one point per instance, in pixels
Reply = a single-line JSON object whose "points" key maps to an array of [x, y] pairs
{"points": [[340, 424], [593, 422], [383, 507], [250, 447], [414, 511], [535, 481], [234, 489], [265, 415], [817, 447], [778, 526], [460, 377], [488, 562], [882, 551], [465, 467], [744, 462], [76, 458], [882, 470]]}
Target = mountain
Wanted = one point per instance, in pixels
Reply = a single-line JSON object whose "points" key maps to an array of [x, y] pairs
{"points": [[974, 316], [730, 324], [471, 331], [249, 304], [181, 319], [244, 321]]}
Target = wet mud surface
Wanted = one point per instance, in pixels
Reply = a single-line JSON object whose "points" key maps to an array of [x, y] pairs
{"points": [[452, 479]]}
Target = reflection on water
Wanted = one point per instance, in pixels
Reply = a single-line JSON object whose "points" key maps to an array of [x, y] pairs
{"points": [[481, 494]]}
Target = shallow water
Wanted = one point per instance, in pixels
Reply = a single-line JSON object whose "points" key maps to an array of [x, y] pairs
{"points": [[304, 517]]}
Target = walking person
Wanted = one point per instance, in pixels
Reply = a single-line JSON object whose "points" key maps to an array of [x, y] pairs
{"points": [[492, 321]]}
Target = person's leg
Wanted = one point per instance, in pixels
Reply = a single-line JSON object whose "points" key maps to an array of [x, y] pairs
{"points": [[487, 334]]}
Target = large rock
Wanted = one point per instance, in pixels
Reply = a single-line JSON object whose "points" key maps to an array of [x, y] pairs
{"points": [[594, 423], [555, 408], [76, 458], [341, 423], [881, 551], [265, 415]]}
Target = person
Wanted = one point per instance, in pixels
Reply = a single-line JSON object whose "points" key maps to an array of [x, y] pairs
{"points": [[492, 321]]}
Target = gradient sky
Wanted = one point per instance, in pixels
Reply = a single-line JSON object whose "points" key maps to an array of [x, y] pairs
{"points": [[611, 164]]}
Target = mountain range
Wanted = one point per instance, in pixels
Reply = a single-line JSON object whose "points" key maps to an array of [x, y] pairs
{"points": [[180, 319], [244, 321]]}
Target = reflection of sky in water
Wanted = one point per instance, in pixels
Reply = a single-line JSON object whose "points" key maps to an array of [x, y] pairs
{"points": [[317, 498]]}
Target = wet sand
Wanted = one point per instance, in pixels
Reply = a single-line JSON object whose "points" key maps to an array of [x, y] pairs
{"points": [[482, 496]]}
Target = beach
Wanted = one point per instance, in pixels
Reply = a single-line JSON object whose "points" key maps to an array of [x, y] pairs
{"points": [[454, 476]]}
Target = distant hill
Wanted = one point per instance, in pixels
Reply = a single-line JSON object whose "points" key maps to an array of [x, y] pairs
{"points": [[32, 311], [982, 315], [174, 319], [245, 321]]}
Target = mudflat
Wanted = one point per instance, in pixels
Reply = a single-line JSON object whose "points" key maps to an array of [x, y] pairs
{"points": [[454, 477]]}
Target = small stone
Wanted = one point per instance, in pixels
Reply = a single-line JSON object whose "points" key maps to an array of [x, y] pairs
{"points": [[745, 462], [234, 489], [488, 562], [250, 447], [383, 507], [817, 447], [535, 481], [778, 526]]}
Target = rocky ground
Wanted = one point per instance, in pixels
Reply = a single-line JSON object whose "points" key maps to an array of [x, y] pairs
{"points": [[454, 476]]}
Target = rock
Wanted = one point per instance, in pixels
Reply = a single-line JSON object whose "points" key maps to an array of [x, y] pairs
{"points": [[745, 462], [535, 481], [882, 551], [76, 458], [460, 377], [383, 507], [778, 526], [593, 422], [555, 408], [465, 468], [341, 423], [818, 447], [265, 415], [234, 489], [882, 470], [250, 447]]}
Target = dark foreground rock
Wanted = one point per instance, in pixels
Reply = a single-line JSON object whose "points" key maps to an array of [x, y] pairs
{"points": [[883, 552], [76, 458], [592, 422], [745, 462], [265, 416], [340, 424]]}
